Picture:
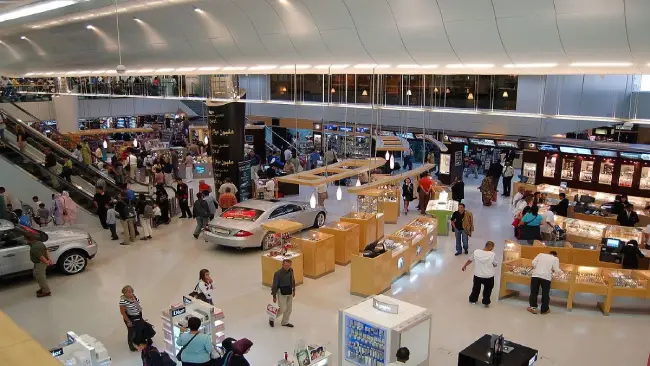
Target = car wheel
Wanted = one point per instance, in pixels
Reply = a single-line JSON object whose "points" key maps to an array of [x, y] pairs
{"points": [[267, 242], [73, 262], [319, 220]]}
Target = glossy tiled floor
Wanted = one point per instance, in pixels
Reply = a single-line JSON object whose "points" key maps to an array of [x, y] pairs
{"points": [[163, 270]]}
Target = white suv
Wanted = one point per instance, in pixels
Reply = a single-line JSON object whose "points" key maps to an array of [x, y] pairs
{"points": [[70, 249]]}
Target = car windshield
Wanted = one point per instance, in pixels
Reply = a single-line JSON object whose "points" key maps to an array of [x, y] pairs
{"points": [[18, 233], [242, 213]]}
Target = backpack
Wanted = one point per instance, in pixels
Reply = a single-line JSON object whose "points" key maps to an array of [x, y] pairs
{"points": [[148, 211]]}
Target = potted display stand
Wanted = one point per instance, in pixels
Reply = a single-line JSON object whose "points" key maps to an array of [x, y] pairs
{"points": [[272, 260]]}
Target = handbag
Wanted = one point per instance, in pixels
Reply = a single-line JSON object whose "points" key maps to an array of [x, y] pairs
{"points": [[197, 294], [178, 355]]}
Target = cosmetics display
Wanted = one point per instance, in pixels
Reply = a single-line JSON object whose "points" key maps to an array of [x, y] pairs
{"points": [[81, 350], [371, 331], [428, 225]]}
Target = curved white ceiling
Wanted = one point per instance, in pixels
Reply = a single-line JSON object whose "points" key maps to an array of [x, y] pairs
{"points": [[527, 33]]}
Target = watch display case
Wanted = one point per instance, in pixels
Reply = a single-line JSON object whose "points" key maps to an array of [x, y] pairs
{"points": [[550, 162], [511, 251], [567, 168], [626, 176], [644, 182], [529, 171], [624, 233], [606, 173], [584, 231], [595, 276], [519, 269], [318, 250], [586, 171], [425, 223], [627, 279]]}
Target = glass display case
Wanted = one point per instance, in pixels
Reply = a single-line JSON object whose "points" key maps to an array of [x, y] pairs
{"points": [[549, 166], [511, 251], [445, 163], [529, 171], [624, 233], [626, 176], [590, 276], [407, 235], [519, 269], [580, 229], [368, 204], [627, 279], [586, 171], [606, 173], [567, 168], [644, 182], [430, 226], [564, 276]]}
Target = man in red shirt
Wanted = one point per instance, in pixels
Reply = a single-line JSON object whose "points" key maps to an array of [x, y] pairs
{"points": [[204, 187], [424, 191], [227, 199]]}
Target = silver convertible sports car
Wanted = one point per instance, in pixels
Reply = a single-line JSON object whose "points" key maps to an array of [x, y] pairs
{"points": [[70, 249], [240, 225]]}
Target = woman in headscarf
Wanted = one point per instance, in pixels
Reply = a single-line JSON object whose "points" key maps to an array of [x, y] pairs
{"points": [[57, 209], [85, 153], [487, 190], [239, 349], [69, 209]]}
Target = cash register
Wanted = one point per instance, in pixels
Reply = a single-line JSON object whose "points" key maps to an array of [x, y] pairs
{"points": [[611, 250]]}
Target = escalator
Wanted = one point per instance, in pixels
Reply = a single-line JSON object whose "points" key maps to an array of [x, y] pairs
{"points": [[12, 154]]}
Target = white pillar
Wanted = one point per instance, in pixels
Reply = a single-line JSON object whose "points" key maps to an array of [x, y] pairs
{"points": [[66, 109]]}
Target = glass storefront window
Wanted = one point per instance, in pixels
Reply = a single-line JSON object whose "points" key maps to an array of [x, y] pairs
{"points": [[282, 87], [567, 168], [644, 183], [626, 176], [586, 171], [462, 91], [606, 172], [550, 162]]}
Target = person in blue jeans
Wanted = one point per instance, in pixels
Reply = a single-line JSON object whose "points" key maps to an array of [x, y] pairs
{"points": [[462, 221]]}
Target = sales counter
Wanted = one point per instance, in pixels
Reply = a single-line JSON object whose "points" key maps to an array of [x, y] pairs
{"points": [[346, 240], [317, 251], [607, 282], [272, 263], [368, 223]]}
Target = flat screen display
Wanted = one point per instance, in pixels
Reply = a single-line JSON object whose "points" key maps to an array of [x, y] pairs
{"points": [[120, 123], [600, 131], [482, 142], [331, 127], [363, 129], [407, 135], [606, 153], [510, 144], [459, 140], [629, 155], [550, 148], [613, 243], [345, 129], [575, 150]]}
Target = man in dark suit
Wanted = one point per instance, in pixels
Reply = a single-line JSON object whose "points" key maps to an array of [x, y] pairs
{"points": [[628, 217], [563, 206]]}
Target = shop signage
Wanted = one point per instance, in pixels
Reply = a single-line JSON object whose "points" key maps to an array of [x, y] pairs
{"points": [[245, 191], [70, 337], [459, 140], [225, 123], [550, 148], [482, 142], [178, 311], [331, 127], [575, 150], [400, 263], [418, 250], [363, 129], [57, 352], [606, 153], [187, 300], [385, 306], [510, 144], [345, 129]]}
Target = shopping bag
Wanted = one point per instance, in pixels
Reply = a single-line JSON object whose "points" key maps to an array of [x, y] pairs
{"points": [[272, 310]]}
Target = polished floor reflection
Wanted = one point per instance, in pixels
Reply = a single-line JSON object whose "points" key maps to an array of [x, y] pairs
{"points": [[166, 268]]}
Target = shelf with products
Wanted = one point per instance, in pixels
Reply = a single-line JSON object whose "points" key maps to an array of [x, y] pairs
{"points": [[644, 181], [318, 251], [606, 174], [428, 227], [568, 165], [529, 171], [550, 162], [346, 240], [278, 240], [586, 170], [177, 315], [626, 176], [586, 232]]}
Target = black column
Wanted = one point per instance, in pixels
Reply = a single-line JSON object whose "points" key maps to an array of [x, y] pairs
{"points": [[226, 126]]}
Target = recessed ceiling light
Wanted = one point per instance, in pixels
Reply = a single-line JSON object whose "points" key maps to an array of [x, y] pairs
{"points": [[365, 66], [136, 19], [36, 8], [49, 73], [165, 69], [530, 66], [198, 10], [234, 68], [131, 71], [99, 71], [600, 64], [85, 72], [23, 37], [184, 69], [89, 27], [299, 67], [322, 67], [263, 67], [109, 72], [284, 1], [72, 72], [209, 68], [429, 66], [339, 66], [146, 70], [469, 66], [408, 66], [30, 74], [383, 66]]}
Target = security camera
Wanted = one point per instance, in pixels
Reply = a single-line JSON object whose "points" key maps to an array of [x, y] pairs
{"points": [[121, 69]]}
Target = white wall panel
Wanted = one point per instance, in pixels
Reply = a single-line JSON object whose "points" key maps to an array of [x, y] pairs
{"points": [[345, 46], [262, 15], [476, 41], [589, 7], [90, 108], [281, 48], [524, 8], [531, 39], [41, 110], [384, 44], [330, 14], [454, 10], [600, 39]]}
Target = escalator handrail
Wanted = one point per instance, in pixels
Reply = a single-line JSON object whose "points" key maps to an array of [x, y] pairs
{"points": [[69, 186], [36, 119]]}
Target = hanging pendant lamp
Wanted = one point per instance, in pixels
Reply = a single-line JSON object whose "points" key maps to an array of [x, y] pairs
{"points": [[105, 144], [333, 90], [435, 90], [358, 183], [470, 96], [339, 193], [505, 93], [205, 140], [312, 200], [387, 155], [447, 91], [392, 162], [364, 93], [135, 142]]}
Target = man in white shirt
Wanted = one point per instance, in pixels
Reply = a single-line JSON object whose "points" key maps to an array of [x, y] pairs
{"points": [[269, 189], [287, 154], [544, 265], [548, 224], [132, 160], [484, 270], [402, 356], [521, 192], [227, 184]]}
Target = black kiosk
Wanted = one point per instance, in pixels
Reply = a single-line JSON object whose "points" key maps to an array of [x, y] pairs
{"points": [[482, 353]]}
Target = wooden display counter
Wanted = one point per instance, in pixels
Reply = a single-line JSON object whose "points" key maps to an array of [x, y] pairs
{"points": [[607, 220], [17, 348], [346, 240], [370, 276], [270, 265], [634, 284], [429, 227], [317, 249], [367, 227], [379, 230], [569, 253], [415, 240]]}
